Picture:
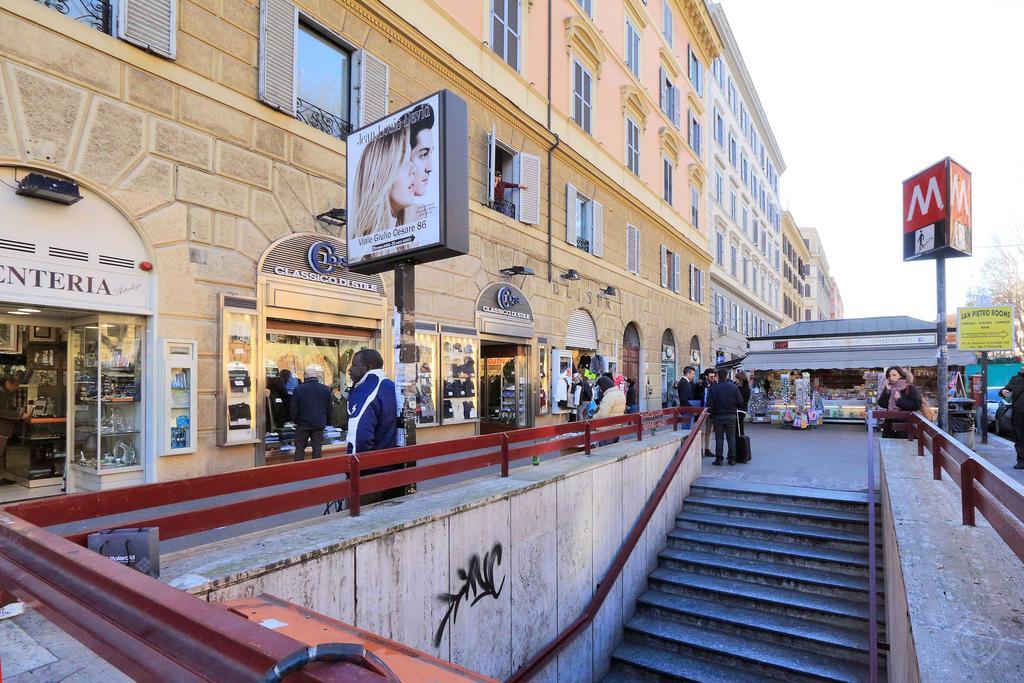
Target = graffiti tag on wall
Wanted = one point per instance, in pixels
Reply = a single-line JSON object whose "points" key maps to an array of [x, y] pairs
{"points": [[477, 584]]}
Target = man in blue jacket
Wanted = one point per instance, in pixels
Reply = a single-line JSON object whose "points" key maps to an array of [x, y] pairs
{"points": [[310, 406], [723, 400], [372, 405]]}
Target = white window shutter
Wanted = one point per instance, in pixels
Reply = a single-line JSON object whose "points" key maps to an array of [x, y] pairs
{"points": [[664, 266], [150, 24], [676, 106], [661, 89], [693, 284], [490, 164], [528, 207], [571, 236], [597, 248], [372, 90], [279, 21], [675, 272], [633, 249]]}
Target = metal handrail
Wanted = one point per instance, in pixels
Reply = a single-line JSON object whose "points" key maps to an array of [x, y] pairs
{"points": [[532, 668]]}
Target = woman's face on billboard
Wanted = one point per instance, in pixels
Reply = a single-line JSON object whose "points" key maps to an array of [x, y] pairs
{"points": [[403, 189]]}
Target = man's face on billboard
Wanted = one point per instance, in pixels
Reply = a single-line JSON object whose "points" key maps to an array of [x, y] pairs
{"points": [[422, 160]]}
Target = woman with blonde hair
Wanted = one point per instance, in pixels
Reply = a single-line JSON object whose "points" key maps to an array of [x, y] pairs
{"points": [[384, 182]]}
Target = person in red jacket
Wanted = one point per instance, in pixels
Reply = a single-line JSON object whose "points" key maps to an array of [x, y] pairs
{"points": [[499, 193]]}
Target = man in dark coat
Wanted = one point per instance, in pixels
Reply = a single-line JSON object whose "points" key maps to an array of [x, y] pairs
{"points": [[1014, 390], [685, 386], [310, 409], [723, 401]]}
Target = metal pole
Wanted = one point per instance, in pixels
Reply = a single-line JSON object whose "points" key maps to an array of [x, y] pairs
{"points": [[984, 396], [940, 331], [405, 367]]}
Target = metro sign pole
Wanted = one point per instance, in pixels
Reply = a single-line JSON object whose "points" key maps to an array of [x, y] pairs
{"points": [[937, 225]]}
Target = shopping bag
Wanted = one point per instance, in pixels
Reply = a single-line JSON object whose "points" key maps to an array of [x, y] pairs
{"points": [[138, 548]]}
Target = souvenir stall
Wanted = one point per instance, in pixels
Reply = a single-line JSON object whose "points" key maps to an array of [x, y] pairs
{"points": [[833, 370]]}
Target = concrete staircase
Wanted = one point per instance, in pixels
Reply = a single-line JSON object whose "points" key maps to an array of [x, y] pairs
{"points": [[756, 582]]}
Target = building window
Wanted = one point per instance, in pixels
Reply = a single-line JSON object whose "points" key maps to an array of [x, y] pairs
{"points": [[694, 135], [666, 170], [632, 48], [746, 268], [322, 84], [505, 30], [746, 219], [588, 7], [733, 258], [733, 99], [718, 69], [732, 205], [744, 170], [668, 96], [666, 22], [584, 223], [670, 263], [632, 146], [696, 284], [719, 188], [720, 249], [582, 83], [97, 14], [807, 314], [733, 151], [719, 128], [694, 207], [753, 279], [696, 72], [736, 317]]}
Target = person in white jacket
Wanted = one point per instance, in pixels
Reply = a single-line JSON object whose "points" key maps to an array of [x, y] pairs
{"points": [[613, 403]]}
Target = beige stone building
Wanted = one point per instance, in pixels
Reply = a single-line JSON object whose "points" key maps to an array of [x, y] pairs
{"points": [[796, 266], [146, 323]]}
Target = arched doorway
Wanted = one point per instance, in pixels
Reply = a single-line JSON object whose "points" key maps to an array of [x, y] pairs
{"points": [[695, 359], [631, 352], [669, 397]]}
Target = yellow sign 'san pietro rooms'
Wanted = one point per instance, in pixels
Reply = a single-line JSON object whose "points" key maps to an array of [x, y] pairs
{"points": [[985, 328]]}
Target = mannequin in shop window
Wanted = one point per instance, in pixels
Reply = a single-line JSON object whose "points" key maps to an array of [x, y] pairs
{"points": [[10, 412]]}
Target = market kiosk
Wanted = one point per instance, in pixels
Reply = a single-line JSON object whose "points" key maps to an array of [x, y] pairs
{"points": [[832, 370]]}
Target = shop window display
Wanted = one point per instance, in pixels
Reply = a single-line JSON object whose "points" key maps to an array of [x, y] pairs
{"points": [[458, 379], [107, 394], [426, 379], [237, 388]]}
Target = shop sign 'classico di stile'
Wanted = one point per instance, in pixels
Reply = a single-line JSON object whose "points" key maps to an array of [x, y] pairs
{"points": [[408, 186], [937, 212]]}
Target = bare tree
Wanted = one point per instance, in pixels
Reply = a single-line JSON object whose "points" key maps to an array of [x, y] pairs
{"points": [[1002, 281]]}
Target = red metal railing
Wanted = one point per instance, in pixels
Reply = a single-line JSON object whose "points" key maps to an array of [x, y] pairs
{"points": [[154, 632], [983, 487], [537, 664]]}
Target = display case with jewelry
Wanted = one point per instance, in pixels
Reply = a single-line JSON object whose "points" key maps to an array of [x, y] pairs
{"points": [[106, 396]]}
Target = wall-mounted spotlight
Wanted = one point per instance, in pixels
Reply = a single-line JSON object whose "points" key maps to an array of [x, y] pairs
{"points": [[516, 270], [336, 217], [607, 291], [571, 274], [51, 189]]}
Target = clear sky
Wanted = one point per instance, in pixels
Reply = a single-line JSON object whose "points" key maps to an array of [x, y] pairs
{"points": [[861, 96]]}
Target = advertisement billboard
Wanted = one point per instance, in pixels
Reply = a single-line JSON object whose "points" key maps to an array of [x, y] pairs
{"points": [[407, 193], [985, 328], [937, 212]]}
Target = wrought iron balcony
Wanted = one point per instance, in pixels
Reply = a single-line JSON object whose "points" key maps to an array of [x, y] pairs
{"points": [[505, 206], [94, 13], [322, 120], [583, 243]]}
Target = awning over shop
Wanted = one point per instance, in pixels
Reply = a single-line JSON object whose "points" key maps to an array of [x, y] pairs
{"points": [[832, 359]]}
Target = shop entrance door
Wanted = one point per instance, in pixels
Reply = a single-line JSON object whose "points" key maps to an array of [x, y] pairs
{"points": [[504, 387]]}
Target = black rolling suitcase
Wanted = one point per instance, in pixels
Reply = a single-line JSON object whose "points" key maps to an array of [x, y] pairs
{"points": [[742, 440]]}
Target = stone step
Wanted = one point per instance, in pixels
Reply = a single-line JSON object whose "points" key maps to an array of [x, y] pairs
{"points": [[636, 662], [804, 634], [836, 611], [752, 656], [822, 498], [837, 539], [794, 514], [797, 554], [817, 581]]}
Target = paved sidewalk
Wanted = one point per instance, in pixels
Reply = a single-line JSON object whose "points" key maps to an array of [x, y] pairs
{"points": [[999, 452], [833, 456], [33, 649]]}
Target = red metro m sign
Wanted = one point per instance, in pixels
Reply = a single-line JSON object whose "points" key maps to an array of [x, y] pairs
{"points": [[937, 212]]}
